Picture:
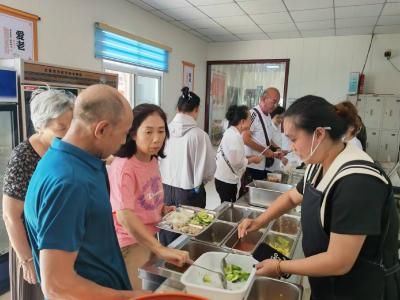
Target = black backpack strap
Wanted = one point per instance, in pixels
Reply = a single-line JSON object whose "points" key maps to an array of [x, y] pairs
{"points": [[263, 127], [269, 161]]}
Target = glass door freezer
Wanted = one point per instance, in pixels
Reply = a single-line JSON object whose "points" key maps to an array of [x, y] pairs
{"points": [[9, 138]]}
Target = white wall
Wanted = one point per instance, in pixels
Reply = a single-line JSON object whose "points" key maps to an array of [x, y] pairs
{"points": [[322, 65], [66, 37], [317, 65]]}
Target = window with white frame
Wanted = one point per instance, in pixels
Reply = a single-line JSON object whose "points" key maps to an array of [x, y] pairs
{"points": [[139, 63], [139, 85]]}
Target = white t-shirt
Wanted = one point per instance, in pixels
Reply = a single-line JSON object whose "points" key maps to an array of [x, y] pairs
{"points": [[257, 133], [356, 142], [190, 157], [281, 140], [277, 139], [233, 147], [276, 135]]}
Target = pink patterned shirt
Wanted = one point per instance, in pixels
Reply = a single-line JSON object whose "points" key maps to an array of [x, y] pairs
{"points": [[137, 186]]}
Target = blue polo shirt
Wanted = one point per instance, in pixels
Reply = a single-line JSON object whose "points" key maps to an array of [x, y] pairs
{"points": [[67, 208]]}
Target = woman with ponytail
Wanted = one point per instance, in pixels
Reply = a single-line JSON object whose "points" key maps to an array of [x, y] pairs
{"points": [[348, 215], [231, 158], [189, 161]]}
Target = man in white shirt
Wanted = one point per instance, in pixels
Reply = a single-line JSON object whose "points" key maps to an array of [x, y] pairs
{"points": [[255, 139]]}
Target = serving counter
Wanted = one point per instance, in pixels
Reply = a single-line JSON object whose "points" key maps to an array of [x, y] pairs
{"points": [[158, 275]]}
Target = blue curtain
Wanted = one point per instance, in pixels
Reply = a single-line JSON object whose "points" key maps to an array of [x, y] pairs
{"points": [[118, 48]]}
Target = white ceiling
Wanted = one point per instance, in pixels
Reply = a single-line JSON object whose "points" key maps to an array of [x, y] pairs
{"points": [[244, 20]]}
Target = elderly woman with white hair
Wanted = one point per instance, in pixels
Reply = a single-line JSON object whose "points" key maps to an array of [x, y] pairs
{"points": [[51, 114]]}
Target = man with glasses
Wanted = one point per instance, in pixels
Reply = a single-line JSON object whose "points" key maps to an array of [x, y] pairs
{"points": [[258, 139]]}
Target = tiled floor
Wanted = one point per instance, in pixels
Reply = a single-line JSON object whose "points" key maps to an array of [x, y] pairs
{"points": [[5, 296]]}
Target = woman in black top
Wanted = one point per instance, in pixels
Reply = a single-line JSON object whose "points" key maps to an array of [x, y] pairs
{"points": [[51, 114], [349, 219]]}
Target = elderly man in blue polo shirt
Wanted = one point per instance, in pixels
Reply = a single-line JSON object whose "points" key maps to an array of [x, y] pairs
{"points": [[67, 208]]}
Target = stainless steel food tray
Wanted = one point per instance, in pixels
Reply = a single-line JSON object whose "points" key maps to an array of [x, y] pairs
{"points": [[166, 225], [286, 224], [263, 193], [225, 217], [254, 238], [264, 288], [292, 239], [217, 233], [233, 214]]}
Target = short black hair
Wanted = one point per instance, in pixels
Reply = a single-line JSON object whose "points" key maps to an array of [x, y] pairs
{"points": [[140, 113], [188, 101], [236, 113], [310, 112], [277, 111]]}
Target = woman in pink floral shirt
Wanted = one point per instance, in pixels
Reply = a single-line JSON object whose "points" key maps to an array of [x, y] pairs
{"points": [[137, 195]]}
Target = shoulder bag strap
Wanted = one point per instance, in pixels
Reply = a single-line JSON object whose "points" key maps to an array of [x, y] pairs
{"points": [[226, 159], [263, 126]]}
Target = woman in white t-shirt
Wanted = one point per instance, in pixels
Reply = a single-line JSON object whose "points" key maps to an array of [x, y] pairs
{"points": [[190, 159], [277, 137], [231, 158], [277, 119], [291, 160]]}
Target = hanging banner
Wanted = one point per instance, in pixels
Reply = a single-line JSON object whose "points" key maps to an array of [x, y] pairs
{"points": [[18, 34]]}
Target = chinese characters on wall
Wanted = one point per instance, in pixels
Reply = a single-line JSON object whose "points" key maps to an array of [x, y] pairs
{"points": [[17, 34]]}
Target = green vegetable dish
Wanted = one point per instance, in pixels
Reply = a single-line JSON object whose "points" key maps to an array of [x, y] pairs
{"points": [[280, 243], [202, 218], [234, 273], [206, 279]]}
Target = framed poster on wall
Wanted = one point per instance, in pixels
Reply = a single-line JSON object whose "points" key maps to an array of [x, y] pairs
{"points": [[18, 38], [188, 75]]}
